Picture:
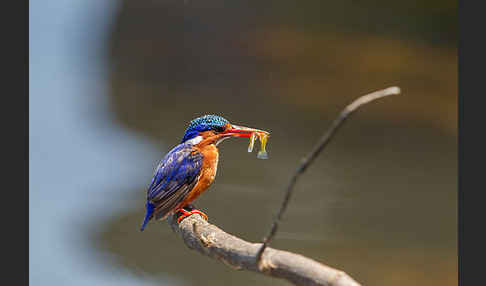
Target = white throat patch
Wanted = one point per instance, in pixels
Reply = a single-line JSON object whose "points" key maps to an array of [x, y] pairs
{"points": [[195, 140]]}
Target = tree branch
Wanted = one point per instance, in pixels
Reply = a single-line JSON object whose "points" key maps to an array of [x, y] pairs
{"points": [[239, 254], [307, 160]]}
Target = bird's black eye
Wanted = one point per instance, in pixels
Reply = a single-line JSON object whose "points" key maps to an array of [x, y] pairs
{"points": [[219, 128]]}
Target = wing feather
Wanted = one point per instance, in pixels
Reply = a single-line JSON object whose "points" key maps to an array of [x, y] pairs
{"points": [[174, 178]]}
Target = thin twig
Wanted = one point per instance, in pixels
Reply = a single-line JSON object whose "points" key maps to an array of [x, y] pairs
{"points": [[307, 160]]}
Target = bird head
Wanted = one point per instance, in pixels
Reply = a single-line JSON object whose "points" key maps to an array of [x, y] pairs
{"points": [[218, 127]]}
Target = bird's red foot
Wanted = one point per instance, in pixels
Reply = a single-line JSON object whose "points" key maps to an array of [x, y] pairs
{"points": [[186, 213]]}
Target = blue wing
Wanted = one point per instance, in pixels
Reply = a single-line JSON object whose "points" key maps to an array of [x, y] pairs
{"points": [[174, 178]]}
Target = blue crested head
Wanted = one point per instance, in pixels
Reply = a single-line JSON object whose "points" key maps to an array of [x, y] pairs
{"points": [[204, 123]]}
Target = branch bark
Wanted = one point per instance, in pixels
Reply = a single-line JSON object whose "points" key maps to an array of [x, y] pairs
{"points": [[239, 254]]}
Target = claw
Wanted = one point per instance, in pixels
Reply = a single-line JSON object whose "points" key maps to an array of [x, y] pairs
{"points": [[189, 213]]}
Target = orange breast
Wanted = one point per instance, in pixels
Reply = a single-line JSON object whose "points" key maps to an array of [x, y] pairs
{"points": [[208, 173]]}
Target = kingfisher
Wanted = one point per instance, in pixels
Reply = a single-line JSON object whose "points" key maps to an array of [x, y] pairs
{"points": [[190, 168]]}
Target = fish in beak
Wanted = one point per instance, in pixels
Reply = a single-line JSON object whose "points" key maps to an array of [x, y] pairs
{"points": [[252, 133]]}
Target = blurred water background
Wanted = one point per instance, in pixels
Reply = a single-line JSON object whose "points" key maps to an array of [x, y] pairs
{"points": [[83, 165], [113, 85]]}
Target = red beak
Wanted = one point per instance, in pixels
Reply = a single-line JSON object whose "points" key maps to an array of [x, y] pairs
{"points": [[242, 131]]}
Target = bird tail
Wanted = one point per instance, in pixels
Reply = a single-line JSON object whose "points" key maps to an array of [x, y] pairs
{"points": [[148, 215]]}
